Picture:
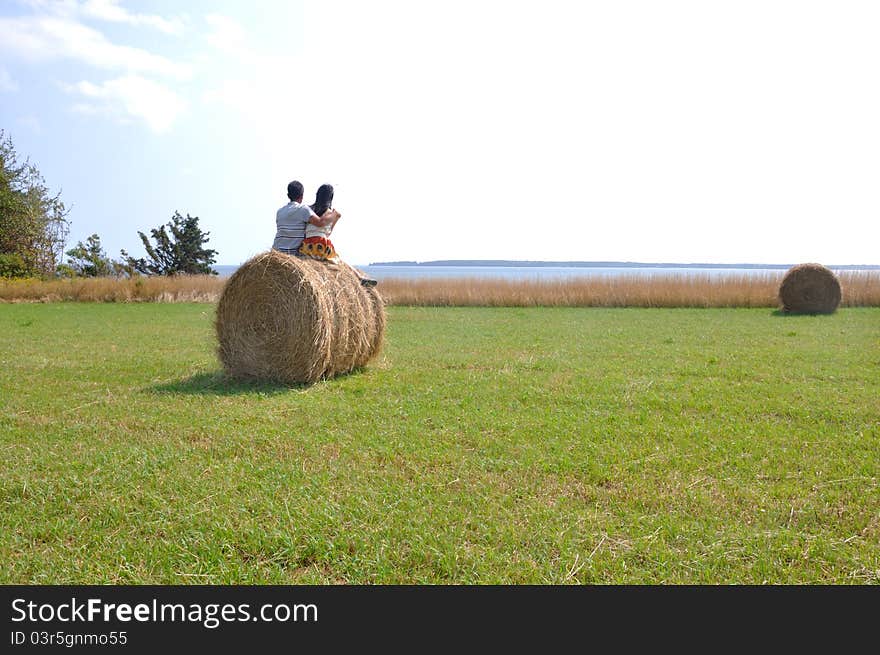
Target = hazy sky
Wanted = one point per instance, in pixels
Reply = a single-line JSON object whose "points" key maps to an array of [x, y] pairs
{"points": [[644, 131]]}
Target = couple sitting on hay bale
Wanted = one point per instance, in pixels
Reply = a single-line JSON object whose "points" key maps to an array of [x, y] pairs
{"points": [[304, 231]]}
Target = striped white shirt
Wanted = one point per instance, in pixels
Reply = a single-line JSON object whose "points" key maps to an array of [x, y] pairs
{"points": [[290, 223]]}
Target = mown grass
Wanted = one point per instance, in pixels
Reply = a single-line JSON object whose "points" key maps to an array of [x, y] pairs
{"points": [[860, 289], [557, 445]]}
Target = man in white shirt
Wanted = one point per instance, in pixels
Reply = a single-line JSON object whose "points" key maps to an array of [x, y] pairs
{"points": [[291, 220]]}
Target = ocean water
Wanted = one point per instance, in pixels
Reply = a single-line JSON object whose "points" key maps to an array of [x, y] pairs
{"points": [[380, 272]]}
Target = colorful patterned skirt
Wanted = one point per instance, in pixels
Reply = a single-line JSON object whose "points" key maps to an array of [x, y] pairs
{"points": [[318, 247]]}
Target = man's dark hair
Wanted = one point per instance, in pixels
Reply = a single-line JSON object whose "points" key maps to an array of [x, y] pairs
{"points": [[323, 199], [295, 191]]}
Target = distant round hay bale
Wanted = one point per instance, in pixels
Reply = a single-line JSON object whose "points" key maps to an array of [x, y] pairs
{"points": [[809, 289], [297, 320]]}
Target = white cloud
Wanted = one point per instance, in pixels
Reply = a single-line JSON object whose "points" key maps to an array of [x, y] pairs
{"points": [[226, 34], [253, 81], [7, 84], [109, 10], [40, 38], [129, 97], [60, 7], [246, 96], [56, 31]]}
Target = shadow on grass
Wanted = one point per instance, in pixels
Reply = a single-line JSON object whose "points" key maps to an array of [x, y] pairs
{"points": [[780, 312], [218, 383]]}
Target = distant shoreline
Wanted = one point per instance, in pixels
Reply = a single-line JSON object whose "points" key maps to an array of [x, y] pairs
{"points": [[583, 264]]}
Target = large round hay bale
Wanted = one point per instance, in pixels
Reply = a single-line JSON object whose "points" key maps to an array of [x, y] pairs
{"points": [[297, 320], [809, 289]]}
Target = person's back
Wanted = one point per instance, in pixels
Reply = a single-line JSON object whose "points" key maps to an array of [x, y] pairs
{"points": [[291, 221], [313, 230]]}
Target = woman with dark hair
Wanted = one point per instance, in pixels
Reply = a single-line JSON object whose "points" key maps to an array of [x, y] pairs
{"points": [[323, 199], [317, 242]]}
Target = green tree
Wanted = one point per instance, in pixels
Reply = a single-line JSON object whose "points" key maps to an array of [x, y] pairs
{"points": [[12, 265], [89, 259], [33, 221], [179, 249]]}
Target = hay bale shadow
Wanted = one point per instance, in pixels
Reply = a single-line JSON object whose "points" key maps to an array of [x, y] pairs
{"points": [[218, 383], [785, 314]]}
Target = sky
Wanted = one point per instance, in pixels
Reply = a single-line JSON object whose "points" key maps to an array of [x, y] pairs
{"points": [[699, 131]]}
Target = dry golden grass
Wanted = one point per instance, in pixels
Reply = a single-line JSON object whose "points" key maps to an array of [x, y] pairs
{"points": [[181, 288], [860, 289]]}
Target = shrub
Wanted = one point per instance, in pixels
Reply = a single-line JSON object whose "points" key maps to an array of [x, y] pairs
{"points": [[13, 265]]}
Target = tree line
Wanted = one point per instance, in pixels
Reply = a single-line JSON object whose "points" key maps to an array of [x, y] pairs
{"points": [[34, 228]]}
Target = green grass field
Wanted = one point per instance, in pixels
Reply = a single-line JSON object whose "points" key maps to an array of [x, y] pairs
{"points": [[485, 446]]}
